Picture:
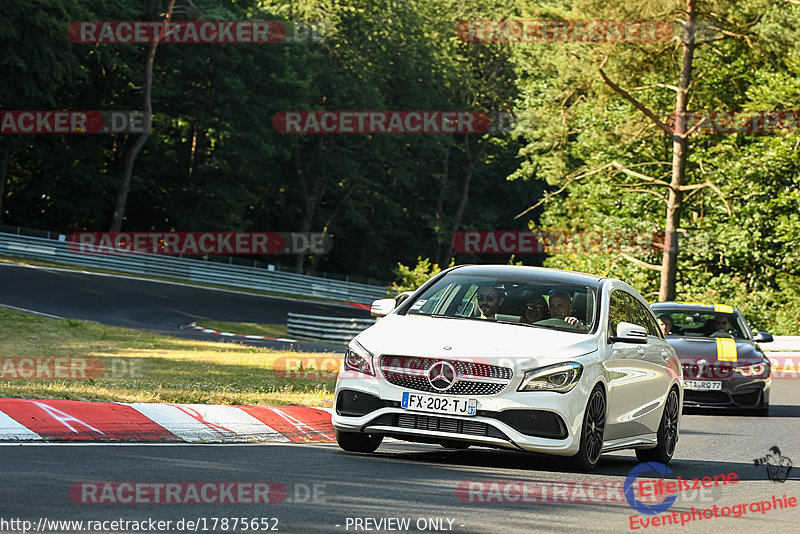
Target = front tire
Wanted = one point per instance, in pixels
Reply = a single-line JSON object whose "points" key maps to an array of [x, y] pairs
{"points": [[358, 442], [667, 433], [594, 426]]}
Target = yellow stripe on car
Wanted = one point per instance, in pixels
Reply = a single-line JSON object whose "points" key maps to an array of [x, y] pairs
{"points": [[726, 349], [723, 308]]}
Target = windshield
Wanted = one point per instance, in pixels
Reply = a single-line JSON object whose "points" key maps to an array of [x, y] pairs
{"points": [[692, 323], [525, 300]]}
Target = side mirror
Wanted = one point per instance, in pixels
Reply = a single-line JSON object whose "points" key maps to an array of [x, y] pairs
{"points": [[763, 337], [382, 307], [630, 333], [401, 297]]}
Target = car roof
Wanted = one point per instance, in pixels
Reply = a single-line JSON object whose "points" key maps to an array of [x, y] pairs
{"points": [[555, 275], [696, 306]]}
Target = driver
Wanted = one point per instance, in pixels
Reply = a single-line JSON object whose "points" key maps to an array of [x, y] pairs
{"points": [[666, 324], [721, 322], [489, 298], [561, 308]]}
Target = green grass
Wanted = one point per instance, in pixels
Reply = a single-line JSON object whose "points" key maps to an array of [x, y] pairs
{"points": [[247, 329], [144, 367]]}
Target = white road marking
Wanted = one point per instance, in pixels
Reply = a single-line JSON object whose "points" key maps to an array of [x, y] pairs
{"points": [[31, 311], [209, 423], [11, 429]]}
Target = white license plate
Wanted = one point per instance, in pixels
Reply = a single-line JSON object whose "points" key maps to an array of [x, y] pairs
{"points": [[438, 404], [702, 385]]}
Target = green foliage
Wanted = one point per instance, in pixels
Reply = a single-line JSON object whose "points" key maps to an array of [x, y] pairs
{"points": [[409, 279]]}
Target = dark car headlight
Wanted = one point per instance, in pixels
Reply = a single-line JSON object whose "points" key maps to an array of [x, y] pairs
{"points": [[561, 377], [357, 358]]}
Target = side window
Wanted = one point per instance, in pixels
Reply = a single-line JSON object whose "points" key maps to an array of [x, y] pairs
{"points": [[641, 316], [617, 311], [649, 323], [466, 308]]}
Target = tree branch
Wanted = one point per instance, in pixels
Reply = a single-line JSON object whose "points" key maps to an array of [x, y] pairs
{"points": [[649, 191], [662, 85], [638, 105], [711, 186], [638, 262], [572, 180]]}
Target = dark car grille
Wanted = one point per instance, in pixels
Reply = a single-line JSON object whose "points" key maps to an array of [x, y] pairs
{"points": [[442, 424], [471, 378], [715, 371], [723, 398]]}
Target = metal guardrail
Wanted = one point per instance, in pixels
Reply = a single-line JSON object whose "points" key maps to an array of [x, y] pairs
{"points": [[193, 270], [782, 347], [319, 328]]}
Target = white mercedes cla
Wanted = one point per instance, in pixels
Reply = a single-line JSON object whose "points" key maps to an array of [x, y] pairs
{"points": [[523, 358]]}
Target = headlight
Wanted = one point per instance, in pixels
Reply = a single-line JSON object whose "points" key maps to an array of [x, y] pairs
{"points": [[751, 370], [357, 358], [561, 377]]}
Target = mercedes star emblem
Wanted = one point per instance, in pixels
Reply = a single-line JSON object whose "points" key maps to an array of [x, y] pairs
{"points": [[442, 376]]}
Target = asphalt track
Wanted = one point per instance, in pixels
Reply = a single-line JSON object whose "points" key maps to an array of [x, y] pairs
{"points": [[154, 306], [412, 481]]}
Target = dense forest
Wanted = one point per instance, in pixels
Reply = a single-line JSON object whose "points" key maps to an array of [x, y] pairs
{"points": [[593, 147]]}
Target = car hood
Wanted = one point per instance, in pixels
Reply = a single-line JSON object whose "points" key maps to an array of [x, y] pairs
{"points": [[691, 349], [509, 345]]}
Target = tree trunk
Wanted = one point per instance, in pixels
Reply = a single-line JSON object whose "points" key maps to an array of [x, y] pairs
{"points": [[3, 176], [440, 246], [311, 195], [133, 151], [680, 153], [462, 205], [331, 221]]}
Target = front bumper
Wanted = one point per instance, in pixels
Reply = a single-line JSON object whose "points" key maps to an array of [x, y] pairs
{"points": [[507, 420], [735, 393]]}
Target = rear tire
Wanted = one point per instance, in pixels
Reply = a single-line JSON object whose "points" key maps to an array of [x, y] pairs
{"points": [[667, 433], [358, 442], [594, 426]]}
